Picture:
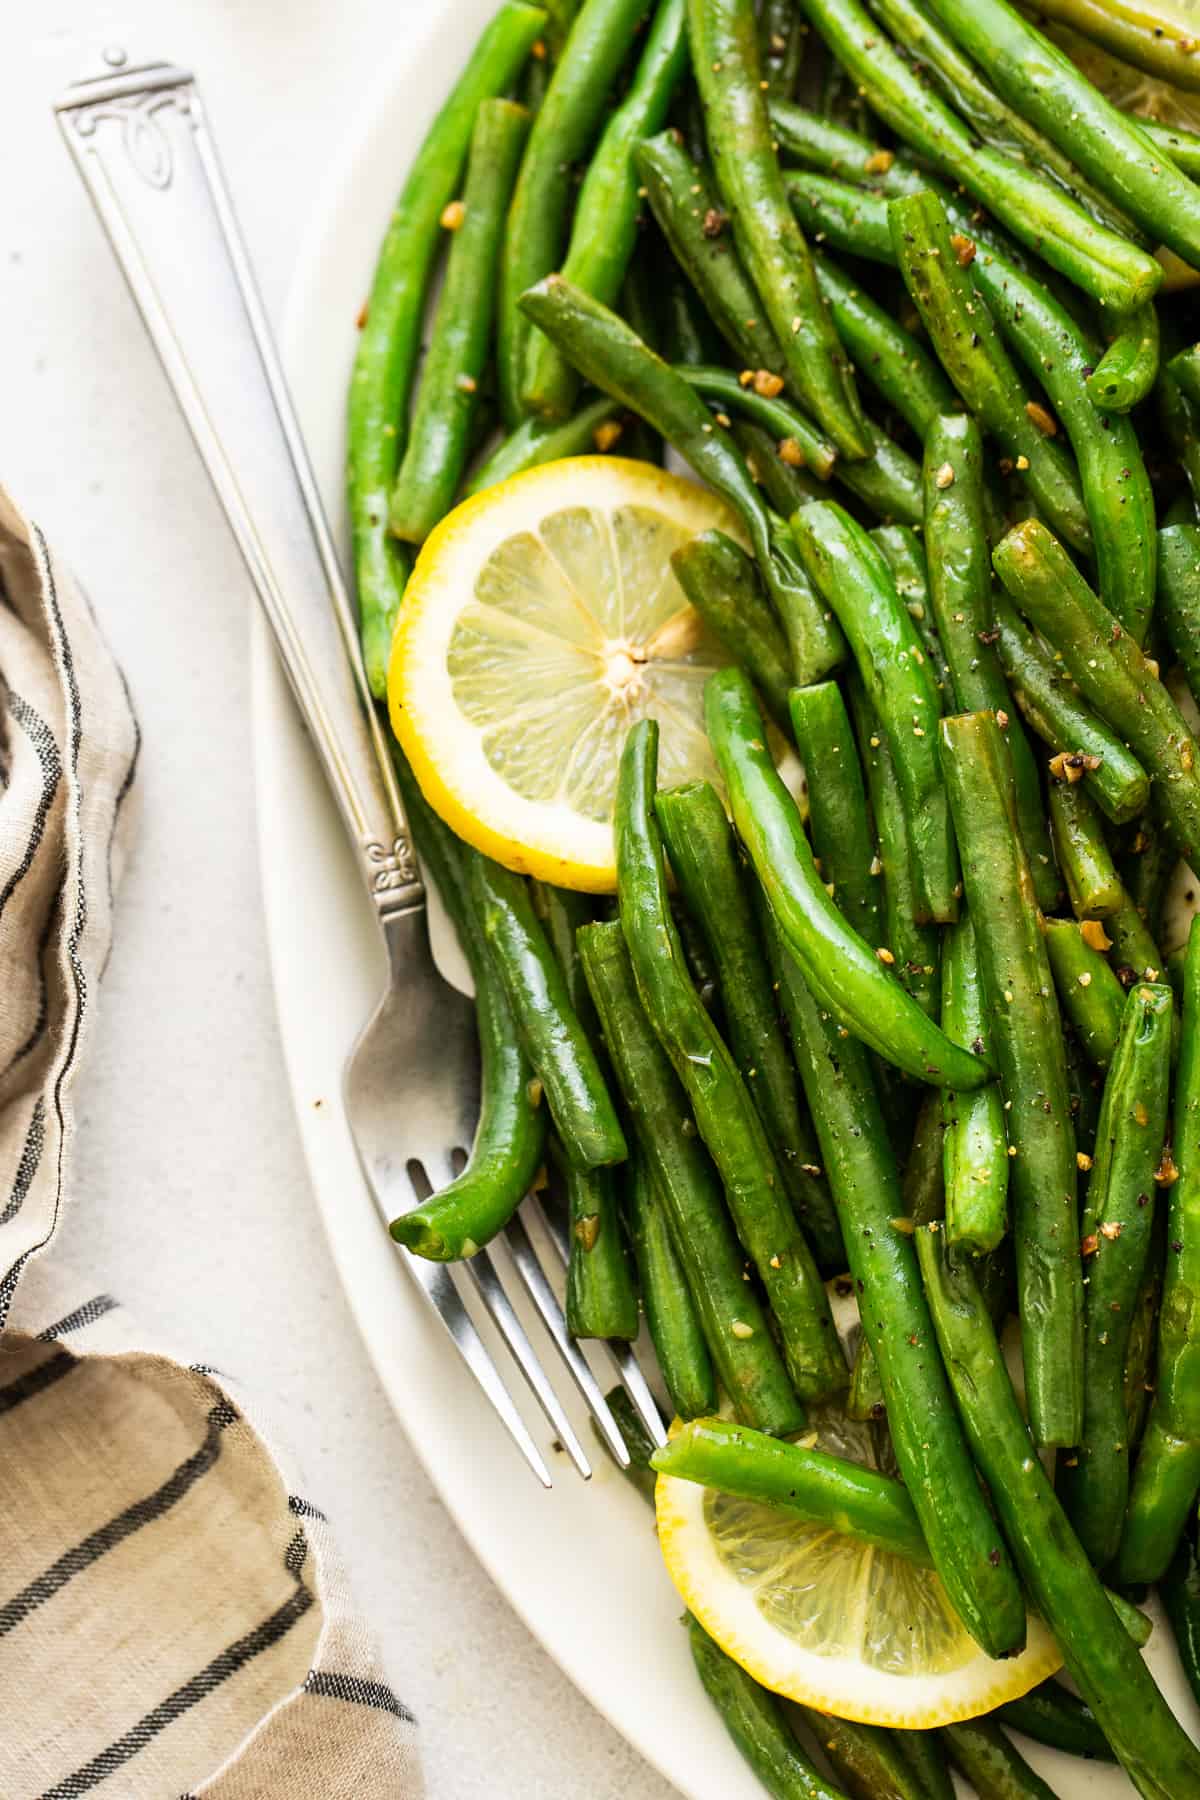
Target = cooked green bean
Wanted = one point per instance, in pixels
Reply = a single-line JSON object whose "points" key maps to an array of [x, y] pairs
{"points": [[1086, 861], [1105, 264], [777, 416], [847, 218], [747, 1363], [994, 1768], [780, 46], [1090, 994], [1150, 38], [601, 1301], [1100, 1656], [447, 393], [1126, 372], [604, 228], [960, 592], [1166, 1476], [965, 337], [885, 354], [599, 41], [818, 1488], [1177, 416], [534, 443], [853, 578], [865, 1758], [562, 912], [1143, 1334], [930, 1451], [923, 1751], [1181, 145], [554, 1040], [904, 553], [689, 335], [616, 359], [785, 485], [629, 1423], [1026, 1035], [837, 805], [845, 974], [725, 1114], [756, 1722], [1180, 1592], [1117, 1221], [889, 480], [975, 1150], [1179, 596], [1042, 83], [910, 948], [391, 332], [722, 584], [1053, 709], [1146, 867], [1110, 670], [1134, 955], [772, 246], [704, 859], [865, 1399], [824, 146], [1051, 1714], [671, 1315], [510, 1137]]}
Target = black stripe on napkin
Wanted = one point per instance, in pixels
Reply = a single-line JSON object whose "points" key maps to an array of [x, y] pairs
{"points": [[46, 750], [36, 1381], [190, 1694], [357, 1692], [304, 1509], [87, 1314], [31, 1156], [142, 1512]]}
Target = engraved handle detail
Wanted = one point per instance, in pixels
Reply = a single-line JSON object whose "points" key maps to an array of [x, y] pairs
{"points": [[143, 147]]}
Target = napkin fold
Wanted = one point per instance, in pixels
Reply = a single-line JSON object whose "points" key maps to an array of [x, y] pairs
{"points": [[174, 1617]]}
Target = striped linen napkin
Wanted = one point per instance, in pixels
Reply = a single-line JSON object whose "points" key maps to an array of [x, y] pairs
{"points": [[174, 1618]]}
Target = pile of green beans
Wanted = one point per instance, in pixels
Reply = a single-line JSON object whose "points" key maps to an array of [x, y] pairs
{"points": [[882, 273]]}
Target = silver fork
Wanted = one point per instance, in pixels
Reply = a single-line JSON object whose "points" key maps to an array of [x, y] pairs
{"points": [[142, 144]]}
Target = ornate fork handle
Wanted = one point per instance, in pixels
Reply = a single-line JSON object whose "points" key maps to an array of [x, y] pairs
{"points": [[143, 147]]}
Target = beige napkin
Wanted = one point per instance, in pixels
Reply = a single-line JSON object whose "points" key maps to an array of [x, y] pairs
{"points": [[174, 1618]]}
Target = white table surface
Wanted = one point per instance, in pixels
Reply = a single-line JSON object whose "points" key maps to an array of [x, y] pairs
{"points": [[199, 1215]]}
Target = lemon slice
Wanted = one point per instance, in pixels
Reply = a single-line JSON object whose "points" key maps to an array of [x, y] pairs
{"points": [[543, 619], [820, 1618]]}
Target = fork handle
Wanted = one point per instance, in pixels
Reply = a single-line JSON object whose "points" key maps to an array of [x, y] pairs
{"points": [[142, 144]]}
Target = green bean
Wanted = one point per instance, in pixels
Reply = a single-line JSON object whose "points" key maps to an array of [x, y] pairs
{"points": [[1117, 1222], [899, 368], [865, 1400], [853, 578], [1146, 868], [1090, 994], [704, 859], [534, 443], [689, 335], [1182, 146], [1166, 1476], [1179, 596], [756, 1722], [686, 205], [847, 218], [510, 1137], [1052, 1715], [671, 1314], [818, 1488], [604, 229], [1126, 372], [700, 965], [553, 1038], [837, 804], [844, 973], [965, 337], [613, 357], [923, 1188], [1143, 1334], [780, 46], [930, 1451], [785, 485], [1180, 1592], [994, 1768], [601, 1301], [1134, 955], [960, 586], [747, 1363], [923, 1752], [725, 1115], [1026, 1035], [562, 913], [975, 1150], [966, 90], [1042, 83], [628, 1420], [1106, 265], [825, 146], [447, 394], [904, 553], [889, 481], [599, 41], [1053, 709], [391, 332], [1109, 668], [1151, 39], [865, 1758], [1177, 416], [722, 584], [1084, 1087], [910, 948], [1100, 1657], [1083, 853], [777, 416], [772, 246]]}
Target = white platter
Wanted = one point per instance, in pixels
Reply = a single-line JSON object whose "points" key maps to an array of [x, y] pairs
{"points": [[579, 1564]]}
